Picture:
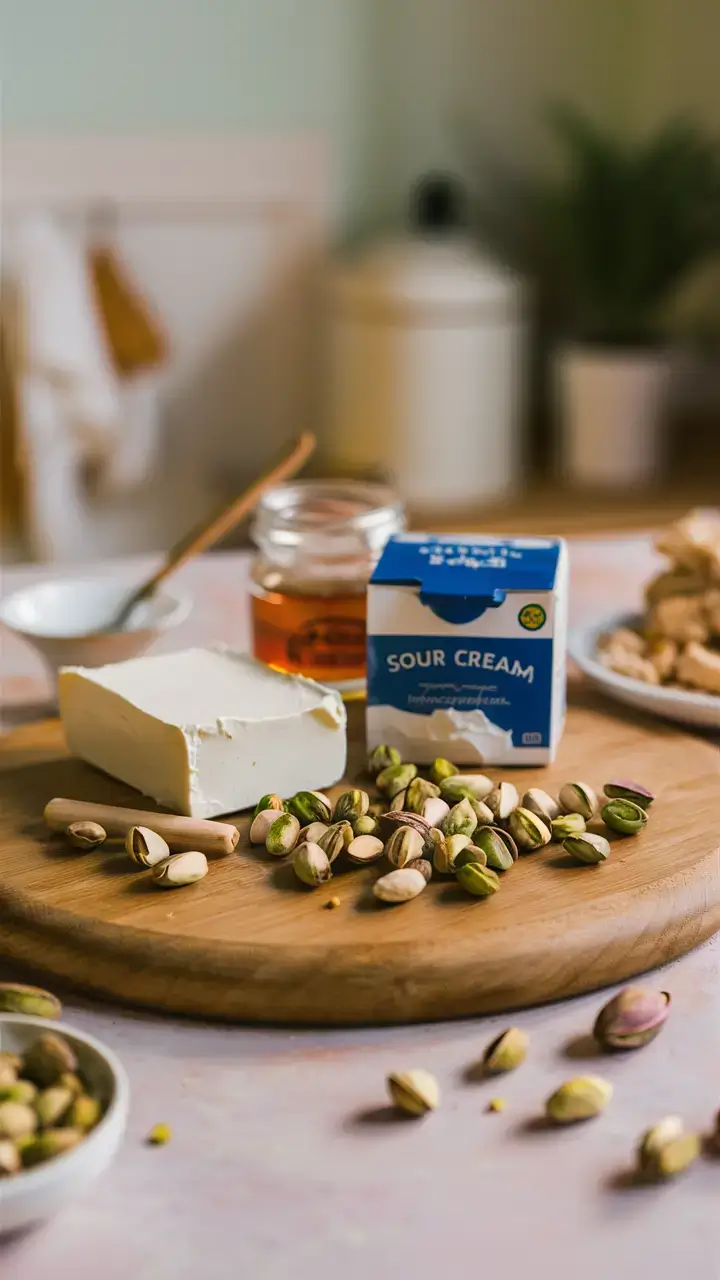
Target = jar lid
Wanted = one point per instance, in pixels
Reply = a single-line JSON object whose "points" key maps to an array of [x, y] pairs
{"points": [[328, 517]]}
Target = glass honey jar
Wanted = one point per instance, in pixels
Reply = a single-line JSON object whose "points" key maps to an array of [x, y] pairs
{"points": [[317, 544]]}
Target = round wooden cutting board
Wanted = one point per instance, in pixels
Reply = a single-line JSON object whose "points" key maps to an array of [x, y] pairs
{"points": [[249, 942]]}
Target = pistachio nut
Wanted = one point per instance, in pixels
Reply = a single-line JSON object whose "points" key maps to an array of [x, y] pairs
{"points": [[404, 845], [414, 1092], [159, 1135], [20, 1091], [397, 777], [47, 1145], [146, 847], [471, 853], [579, 1099], [71, 1081], [578, 797], [46, 1060], [365, 849], [399, 886], [441, 770], [180, 869], [8, 1071], [632, 1018], [10, 1062], [498, 847], [446, 851], [269, 801], [381, 758], [389, 822], [351, 805], [506, 1052], [418, 792], [312, 832], [527, 830], [502, 800], [482, 811], [435, 811], [624, 816], [16, 997], [311, 864], [51, 1105], [480, 881], [261, 824], [17, 1119], [666, 1149], [587, 848], [397, 803], [320, 795], [625, 790], [84, 1113], [86, 835], [10, 1161], [568, 824], [541, 804], [309, 806], [461, 785], [461, 820], [282, 835], [337, 837], [365, 826], [423, 866]]}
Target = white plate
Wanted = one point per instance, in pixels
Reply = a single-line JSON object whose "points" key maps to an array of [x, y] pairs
{"points": [[702, 710]]}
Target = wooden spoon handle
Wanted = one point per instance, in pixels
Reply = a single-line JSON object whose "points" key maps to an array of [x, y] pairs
{"points": [[205, 535]]}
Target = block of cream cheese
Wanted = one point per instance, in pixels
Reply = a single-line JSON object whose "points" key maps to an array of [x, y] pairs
{"points": [[204, 731]]}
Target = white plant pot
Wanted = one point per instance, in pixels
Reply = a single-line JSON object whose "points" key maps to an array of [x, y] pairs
{"points": [[610, 405]]}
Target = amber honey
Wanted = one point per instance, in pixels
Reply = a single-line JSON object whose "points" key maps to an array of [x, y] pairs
{"points": [[318, 541]]}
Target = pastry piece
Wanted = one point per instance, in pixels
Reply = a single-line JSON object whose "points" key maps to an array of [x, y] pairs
{"points": [[700, 668]]}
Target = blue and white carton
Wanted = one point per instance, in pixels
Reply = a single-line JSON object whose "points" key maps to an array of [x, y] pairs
{"points": [[467, 648]]}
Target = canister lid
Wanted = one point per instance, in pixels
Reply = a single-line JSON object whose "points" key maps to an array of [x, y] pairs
{"points": [[424, 273]]}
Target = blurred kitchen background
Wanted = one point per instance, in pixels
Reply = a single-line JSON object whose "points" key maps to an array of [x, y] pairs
{"points": [[473, 244]]}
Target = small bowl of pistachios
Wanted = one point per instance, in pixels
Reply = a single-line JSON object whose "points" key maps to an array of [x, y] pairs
{"points": [[63, 1111]]}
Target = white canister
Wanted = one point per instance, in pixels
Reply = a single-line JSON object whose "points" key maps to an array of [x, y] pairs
{"points": [[426, 371]]}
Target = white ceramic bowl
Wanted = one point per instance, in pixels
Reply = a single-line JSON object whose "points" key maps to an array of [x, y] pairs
{"points": [[701, 710], [39, 1193], [63, 620]]}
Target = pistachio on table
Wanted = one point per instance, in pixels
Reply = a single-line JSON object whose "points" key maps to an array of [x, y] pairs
{"points": [[626, 790], [579, 1099], [365, 826], [527, 830], [588, 848], [506, 1052], [351, 805], [414, 1092], [381, 758], [312, 832], [86, 835], [389, 822], [502, 800], [399, 886], [578, 797], [441, 770], [498, 846], [541, 803], [468, 853], [461, 785], [477, 880], [17, 997], [624, 816], [418, 792], [435, 810], [309, 806], [405, 845], [146, 847], [269, 801], [52, 1142], [397, 777], [282, 835], [423, 867], [568, 824], [666, 1150], [632, 1018], [337, 837], [261, 824], [446, 851], [181, 869], [461, 820], [365, 849], [311, 864]]}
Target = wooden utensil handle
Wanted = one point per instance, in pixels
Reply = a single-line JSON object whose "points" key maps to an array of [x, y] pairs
{"points": [[181, 833]]}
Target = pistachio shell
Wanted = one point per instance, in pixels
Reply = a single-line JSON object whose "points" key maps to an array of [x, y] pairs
{"points": [[312, 832], [502, 800], [269, 801], [447, 849], [541, 803], [461, 785], [51, 1105], [337, 837], [477, 880], [145, 847], [382, 757], [47, 1145], [588, 848], [418, 792], [632, 1018], [414, 1092], [423, 866], [623, 789], [507, 1051], [181, 869], [578, 797], [527, 830], [399, 886], [435, 811], [86, 835], [404, 845], [84, 1113], [282, 835], [568, 824], [261, 824], [365, 849], [498, 847], [10, 1161]]}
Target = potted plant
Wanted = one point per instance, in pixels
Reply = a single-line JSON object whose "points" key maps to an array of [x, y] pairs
{"points": [[610, 244]]}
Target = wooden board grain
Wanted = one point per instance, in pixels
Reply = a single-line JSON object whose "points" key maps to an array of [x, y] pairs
{"points": [[250, 943]]}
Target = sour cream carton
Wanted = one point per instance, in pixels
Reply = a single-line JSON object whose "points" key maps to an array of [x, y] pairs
{"points": [[467, 648]]}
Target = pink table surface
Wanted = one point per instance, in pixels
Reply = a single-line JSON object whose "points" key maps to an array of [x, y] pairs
{"points": [[284, 1162]]}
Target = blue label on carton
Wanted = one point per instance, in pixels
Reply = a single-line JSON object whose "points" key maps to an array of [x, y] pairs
{"points": [[466, 648]]}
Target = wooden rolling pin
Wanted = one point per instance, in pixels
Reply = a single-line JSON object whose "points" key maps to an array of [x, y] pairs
{"points": [[182, 834]]}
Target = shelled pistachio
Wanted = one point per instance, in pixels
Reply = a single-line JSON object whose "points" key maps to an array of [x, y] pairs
{"points": [[568, 824], [365, 826]]}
